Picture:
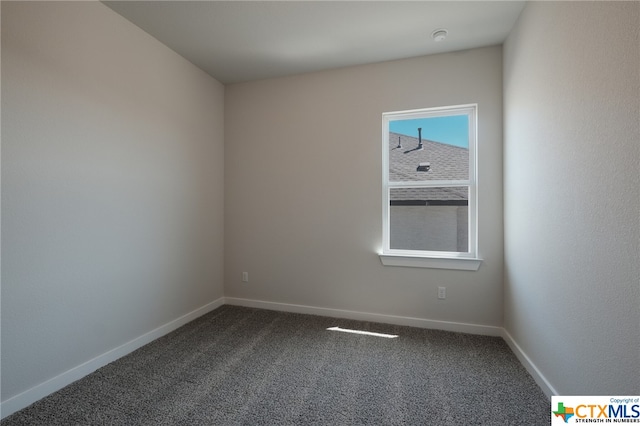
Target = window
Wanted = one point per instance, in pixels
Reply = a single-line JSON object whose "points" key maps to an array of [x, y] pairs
{"points": [[429, 188]]}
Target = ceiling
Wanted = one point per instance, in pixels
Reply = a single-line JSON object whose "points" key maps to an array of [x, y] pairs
{"points": [[238, 41]]}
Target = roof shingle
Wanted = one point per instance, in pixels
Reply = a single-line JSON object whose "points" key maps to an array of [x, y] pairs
{"points": [[446, 162]]}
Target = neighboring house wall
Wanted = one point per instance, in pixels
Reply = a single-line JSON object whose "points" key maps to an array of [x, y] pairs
{"points": [[439, 228], [303, 188], [112, 187], [572, 209]]}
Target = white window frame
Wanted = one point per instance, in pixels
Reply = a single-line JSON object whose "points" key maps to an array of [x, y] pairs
{"points": [[432, 259]]}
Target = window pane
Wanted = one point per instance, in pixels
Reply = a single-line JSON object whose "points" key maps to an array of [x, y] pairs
{"points": [[435, 148], [430, 219]]}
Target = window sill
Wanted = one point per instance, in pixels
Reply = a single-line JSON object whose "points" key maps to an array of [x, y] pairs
{"points": [[459, 263]]}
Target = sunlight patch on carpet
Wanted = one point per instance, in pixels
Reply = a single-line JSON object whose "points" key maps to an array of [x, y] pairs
{"points": [[367, 333]]}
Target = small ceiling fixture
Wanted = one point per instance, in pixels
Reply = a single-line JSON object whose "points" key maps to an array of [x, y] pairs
{"points": [[439, 35]]}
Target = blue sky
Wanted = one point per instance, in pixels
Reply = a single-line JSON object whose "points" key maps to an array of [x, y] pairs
{"points": [[452, 130]]}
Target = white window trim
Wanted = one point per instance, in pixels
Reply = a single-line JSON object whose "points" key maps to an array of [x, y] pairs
{"points": [[413, 261], [432, 259]]}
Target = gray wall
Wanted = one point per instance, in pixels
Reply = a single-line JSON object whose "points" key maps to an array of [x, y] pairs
{"points": [[572, 209], [303, 196], [112, 187]]}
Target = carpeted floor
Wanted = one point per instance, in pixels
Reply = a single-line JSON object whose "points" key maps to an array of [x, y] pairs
{"points": [[242, 366]]}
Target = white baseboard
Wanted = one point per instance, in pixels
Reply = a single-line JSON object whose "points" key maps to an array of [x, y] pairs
{"points": [[537, 375], [37, 392], [460, 327]]}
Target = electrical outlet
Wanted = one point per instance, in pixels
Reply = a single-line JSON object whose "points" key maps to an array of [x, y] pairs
{"points": [[245, 277], [442, 292]]}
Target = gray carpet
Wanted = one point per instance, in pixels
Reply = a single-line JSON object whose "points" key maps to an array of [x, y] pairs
{"points": [[242, 366]]}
